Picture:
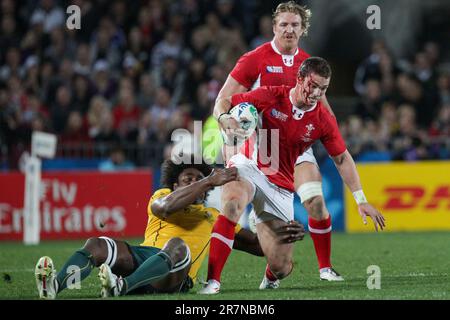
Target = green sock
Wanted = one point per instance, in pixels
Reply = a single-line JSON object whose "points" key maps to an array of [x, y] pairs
{"points": [[81, 260], [152, 269]]}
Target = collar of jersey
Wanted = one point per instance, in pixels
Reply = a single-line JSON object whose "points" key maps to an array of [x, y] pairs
{"points": [[274, 47]]}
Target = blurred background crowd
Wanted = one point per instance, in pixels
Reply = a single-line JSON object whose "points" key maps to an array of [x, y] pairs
{"points": [[136, 70]]}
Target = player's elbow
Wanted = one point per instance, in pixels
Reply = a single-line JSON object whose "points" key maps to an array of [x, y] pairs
{"points": [[161, 209], [340, 159]]}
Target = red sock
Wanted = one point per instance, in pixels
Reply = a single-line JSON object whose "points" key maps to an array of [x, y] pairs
{"points": [[269, 274], [222, 239], [321, 235]]}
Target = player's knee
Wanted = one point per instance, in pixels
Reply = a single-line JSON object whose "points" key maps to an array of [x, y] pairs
{"points": [[232, 209], [97, 248], [315, 207], [281, 269]]}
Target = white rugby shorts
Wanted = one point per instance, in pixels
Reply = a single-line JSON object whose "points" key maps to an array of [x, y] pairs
{"points": [[307, 156], [269, 200]]}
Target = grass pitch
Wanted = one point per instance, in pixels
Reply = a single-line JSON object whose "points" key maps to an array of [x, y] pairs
{"points": [[412, 265]]}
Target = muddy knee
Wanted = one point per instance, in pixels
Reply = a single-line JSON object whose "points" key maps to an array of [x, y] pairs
{"points": [[316, 208], [97, 247], [281, 269], [178, 252]]}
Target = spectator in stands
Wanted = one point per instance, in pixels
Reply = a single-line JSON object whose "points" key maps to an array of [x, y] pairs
{"points": [[9, 36], [146, 92], [12, 66], [265, 32], [61, 108], [162, 111], [201, 109], [106, 134], [443, 84], [82, 93], [126, 112], [138, 48], [50, 14], [103, 81], [169, 47], [117, 161], [107, 43], [411, 91], [60, 46], [369, 106], [408, 142], [83, 61]]}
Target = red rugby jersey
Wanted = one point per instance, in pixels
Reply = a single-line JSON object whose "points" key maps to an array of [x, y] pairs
{"points": [[266, 66], [298, 130]]}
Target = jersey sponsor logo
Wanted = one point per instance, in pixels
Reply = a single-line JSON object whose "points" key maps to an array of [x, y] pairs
{"points": [[279, 115], [274, 69]]}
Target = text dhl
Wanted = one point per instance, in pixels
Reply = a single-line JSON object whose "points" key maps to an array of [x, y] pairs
{"points": [[401, 197]]}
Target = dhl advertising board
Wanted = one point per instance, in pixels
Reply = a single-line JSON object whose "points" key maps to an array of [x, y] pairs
{"points": [[411, 196]]}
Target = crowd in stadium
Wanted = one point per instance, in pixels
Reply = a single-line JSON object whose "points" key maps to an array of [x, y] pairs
{"points": [[135, 71]]}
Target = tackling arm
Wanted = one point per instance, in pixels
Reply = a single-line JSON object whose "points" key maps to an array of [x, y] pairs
{"points": [[247, 241], [185, 196]]}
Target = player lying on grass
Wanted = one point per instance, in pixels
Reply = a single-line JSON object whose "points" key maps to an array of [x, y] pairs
{"points": [[300, 119], [176, 240]]}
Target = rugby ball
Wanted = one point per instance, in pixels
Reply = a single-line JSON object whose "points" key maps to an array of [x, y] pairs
{"points": [[246, 115]]}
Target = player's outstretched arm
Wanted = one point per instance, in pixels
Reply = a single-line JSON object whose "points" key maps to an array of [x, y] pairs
{"points": [[185, 196], [347, 169]]}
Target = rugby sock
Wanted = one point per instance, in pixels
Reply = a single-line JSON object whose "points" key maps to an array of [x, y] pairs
{"points": [[81, 260], [222, 239], [269, 274], [152, 269], [321, 235]]}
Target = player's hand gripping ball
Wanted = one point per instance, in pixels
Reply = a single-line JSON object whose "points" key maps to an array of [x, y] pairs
{"points": [[247, 117]]}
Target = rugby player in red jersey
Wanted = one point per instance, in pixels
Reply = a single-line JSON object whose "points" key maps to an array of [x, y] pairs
{"points": [[299, 118], [276, 63]]}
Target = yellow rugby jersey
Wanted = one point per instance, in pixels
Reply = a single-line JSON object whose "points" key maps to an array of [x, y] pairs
{"points": [[192, 224]]}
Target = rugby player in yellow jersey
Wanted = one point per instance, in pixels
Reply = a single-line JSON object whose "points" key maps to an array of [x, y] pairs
{"points": [[176, 241]]}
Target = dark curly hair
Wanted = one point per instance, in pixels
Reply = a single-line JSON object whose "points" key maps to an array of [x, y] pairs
{"points": [[170, 171]]}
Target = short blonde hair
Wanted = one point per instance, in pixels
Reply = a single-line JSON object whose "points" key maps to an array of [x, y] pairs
{"points": [[293, 7]]}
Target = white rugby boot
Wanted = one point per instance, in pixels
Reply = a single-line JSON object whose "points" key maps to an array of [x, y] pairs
{"points": [[267, 284], [330, 274], [45, 275], [111, 284], [211, 287]]}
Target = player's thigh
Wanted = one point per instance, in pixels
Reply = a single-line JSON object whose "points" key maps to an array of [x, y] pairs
{"points": [[115, 253], [278, 254], [306, 172]]}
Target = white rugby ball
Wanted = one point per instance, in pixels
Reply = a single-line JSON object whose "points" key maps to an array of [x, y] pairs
{"points": [[246, 115]]}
